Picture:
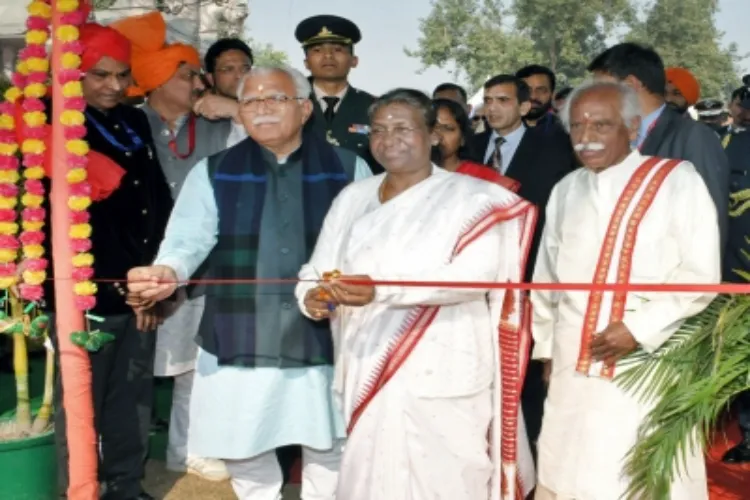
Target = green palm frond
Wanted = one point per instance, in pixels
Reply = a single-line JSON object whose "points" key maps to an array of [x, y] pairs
{"points": [[689, 382]]}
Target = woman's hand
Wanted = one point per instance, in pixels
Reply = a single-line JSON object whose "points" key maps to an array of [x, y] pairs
{"points": [[319, 303], [349, 294]]}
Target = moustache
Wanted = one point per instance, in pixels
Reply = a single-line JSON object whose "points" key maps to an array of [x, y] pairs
{"points": [[589, 146], [260, 120], [536, 104]]}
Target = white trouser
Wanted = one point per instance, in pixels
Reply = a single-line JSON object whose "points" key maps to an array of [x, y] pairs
{"points": [[179, 419], [261, 478]]}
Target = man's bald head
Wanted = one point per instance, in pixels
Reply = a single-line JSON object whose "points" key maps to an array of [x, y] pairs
{"points": [[603, 119]]}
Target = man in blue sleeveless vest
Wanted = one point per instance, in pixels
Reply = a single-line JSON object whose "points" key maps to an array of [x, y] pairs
{"points": [[254, 212]]}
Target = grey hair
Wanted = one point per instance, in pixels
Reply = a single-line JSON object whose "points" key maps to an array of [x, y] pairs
{"points": [[630, 106], [301, 84], [409, 97]]}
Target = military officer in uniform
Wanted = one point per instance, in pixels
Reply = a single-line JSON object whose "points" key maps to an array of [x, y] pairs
{"points": [[737, 146], [340, 111]]}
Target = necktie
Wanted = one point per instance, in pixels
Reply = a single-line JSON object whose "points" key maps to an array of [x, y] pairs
{"points": [[497, 157], [331, 102]]}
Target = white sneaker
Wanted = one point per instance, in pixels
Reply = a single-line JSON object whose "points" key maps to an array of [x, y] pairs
{"points": [[210, 469]]}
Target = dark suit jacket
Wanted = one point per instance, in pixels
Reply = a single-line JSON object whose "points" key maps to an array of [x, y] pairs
{"points": [[540, 161], [349, 126], [675, 136]]}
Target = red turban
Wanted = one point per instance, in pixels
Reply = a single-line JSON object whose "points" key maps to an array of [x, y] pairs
{"points": [[153, 61], [686, 83], [99, 41]]}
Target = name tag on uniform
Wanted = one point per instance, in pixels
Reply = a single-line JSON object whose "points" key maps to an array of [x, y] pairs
{"points": [[359, 129]]}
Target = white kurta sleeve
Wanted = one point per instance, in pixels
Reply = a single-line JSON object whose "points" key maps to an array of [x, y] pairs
{"points": [[544, 302], [694, 220], [323, 257], [479, 261]]}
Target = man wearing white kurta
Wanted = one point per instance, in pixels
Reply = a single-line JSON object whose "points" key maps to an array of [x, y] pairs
{"points": [[263, 375], [622, 218]]}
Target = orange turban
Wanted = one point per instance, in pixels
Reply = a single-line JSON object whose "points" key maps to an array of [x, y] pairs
{"points": [[100, 41], [153, 61], [686, 83]]}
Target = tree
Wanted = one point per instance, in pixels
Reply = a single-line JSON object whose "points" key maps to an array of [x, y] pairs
{"points": [[266, 55], [684, 34], [469, 36], [568, 34]]}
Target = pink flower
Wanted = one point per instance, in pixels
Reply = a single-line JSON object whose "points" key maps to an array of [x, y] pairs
{"points": [[80, 189], [33, 104], [79, 217], [33, 159], [18, 80], [33, 293], [69, 75], [35, 133], [9, 242], [8, 269], [75, 18], [7, 215], [9, 190], [35, 264], [8, 137], [34, 186], [74, 132], [74, 46], [75, 103], [33, 214], [75, 161], [36, 77], [37, 23], [83, 273], [32, 237], [7, 108], [85, 302], [32, 51]]}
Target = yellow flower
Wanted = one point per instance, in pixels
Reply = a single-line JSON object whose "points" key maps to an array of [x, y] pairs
{"points": [[83, 260], [34, 173], [37, 90], [8, 228], [6, 202], [67, 5], [30, 225], [12, 94], [33, 146], [34, 277], [7, 122], [77, 147], [79, 204], [8, 255], [84, 288], [7, 282], [8, 149], [80, 231], [72, 117], [22, 67], [33, 251], [67, 33], [72, 89], [36, 37], [76, 175], [9, 176], [35, 118], [70, 60], [37, 64], [40, 9], [32, 200]]}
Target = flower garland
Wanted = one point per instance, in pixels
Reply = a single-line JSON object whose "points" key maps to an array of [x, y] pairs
{"points": [[72, 120], [29, 81]]}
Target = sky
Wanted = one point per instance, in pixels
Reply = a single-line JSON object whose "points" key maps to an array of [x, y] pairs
{"points": [[390, 25]]}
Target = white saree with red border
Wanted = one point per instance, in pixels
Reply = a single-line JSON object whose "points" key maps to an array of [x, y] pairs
{"points": [[429, 379], [646, 220]]}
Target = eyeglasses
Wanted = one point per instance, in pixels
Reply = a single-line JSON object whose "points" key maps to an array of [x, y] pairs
{"points": [[270, 102]]}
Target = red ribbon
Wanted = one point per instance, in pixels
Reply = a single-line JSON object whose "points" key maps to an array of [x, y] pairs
{"points": [[191, 140]]}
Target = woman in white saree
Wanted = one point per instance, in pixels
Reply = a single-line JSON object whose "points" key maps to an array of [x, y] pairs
{"points": [[428, 378]]}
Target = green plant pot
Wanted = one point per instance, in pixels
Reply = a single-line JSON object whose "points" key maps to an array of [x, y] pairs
{"points": [[28, 468]]}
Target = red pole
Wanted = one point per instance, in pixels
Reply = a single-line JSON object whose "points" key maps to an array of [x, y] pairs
{"points": [[75, 366]]}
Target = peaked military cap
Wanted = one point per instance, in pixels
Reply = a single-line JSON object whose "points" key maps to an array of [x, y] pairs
{"points": [[709, 107], [327, 29]]}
